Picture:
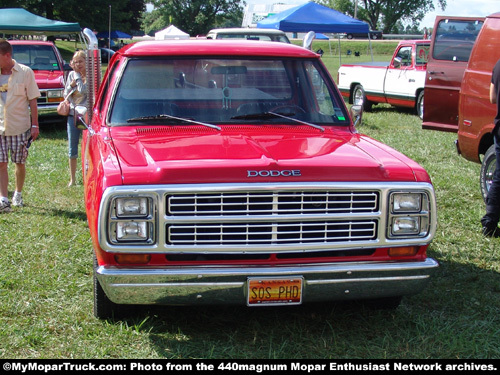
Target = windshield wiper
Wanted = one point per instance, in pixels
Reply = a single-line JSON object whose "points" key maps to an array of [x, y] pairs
{"points": [[164, 117], [269, 114]]}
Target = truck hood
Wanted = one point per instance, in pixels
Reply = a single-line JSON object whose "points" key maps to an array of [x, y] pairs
{"points": [[48, 79], [160, 155]]}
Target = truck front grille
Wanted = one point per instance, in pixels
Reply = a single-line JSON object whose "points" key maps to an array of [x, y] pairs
{"points": [[271, 233], [273, 203], [265, 218], [260, 218]]}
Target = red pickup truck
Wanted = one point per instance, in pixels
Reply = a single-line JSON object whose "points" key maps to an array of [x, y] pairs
{"points": [[399, 82], [49, 67], [223, 172]]}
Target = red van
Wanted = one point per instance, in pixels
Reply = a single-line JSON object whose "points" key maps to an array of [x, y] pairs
{"points": [[451, 45], [475, 112]]}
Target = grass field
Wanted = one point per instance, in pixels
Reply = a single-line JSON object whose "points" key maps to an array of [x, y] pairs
{"points": [[46, 280]]}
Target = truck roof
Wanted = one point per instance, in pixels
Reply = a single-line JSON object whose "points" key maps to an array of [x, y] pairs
{"points": [[31, 42], [215, 48], [415, 41], [239, 30]]}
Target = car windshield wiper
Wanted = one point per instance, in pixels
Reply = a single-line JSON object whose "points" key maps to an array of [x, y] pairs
{"points": [[164, 117], [269, 114]]}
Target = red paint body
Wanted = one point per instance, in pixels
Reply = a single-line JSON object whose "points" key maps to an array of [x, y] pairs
{"points": [[241, 154]]}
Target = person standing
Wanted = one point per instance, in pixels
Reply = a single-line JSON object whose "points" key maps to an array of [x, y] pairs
{"points": [[490, 220], [76, 84], [18, 122]]}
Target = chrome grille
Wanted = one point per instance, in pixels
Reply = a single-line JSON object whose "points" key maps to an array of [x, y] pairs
{"points": [[279, 233], [266, 218], [272, 203]]}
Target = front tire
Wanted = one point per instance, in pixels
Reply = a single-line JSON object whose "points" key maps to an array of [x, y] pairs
{"points": [[359, 98], [104, 308], [419, 105], [488, 167]]}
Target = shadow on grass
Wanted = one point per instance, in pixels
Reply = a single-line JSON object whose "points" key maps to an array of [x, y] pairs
{"points": [[460, 300], [53, 128], [387, 108]]}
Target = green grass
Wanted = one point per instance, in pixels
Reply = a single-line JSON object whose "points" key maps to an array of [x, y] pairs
{"points": [[46, 280]]}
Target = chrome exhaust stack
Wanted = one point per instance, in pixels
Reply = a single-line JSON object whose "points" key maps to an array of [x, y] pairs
{"points": [[93, 70]]}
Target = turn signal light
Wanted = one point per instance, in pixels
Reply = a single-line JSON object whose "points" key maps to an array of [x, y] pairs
{"points": [[403, 251], [132, 258]]}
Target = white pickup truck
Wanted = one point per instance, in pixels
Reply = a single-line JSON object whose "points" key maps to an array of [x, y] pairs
{"points": [[399, 83]]}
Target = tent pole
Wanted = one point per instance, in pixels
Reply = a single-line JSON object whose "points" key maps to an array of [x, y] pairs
{"points": [[370, 44], [340, 52]]}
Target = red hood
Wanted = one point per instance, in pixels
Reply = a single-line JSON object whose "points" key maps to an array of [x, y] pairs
{"points": [[46, 79], [161, 155]]}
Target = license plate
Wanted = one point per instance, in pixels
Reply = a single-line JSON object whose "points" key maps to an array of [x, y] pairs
{"points": [[276, 291]]}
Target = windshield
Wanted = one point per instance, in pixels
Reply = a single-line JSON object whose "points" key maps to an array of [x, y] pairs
{"points": [[226, 91], [37, 57]]}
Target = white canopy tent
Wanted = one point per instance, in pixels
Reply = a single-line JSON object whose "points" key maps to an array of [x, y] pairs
{"points": [[171, 32]]}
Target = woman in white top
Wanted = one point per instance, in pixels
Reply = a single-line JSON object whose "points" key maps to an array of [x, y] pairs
{"points": [[77, 81]]}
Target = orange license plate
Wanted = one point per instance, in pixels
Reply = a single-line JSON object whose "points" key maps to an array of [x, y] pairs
{"points": [[276, 291]]}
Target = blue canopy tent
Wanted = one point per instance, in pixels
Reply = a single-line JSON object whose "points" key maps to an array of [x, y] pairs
{"points": [[314, 17], [115, 34]]}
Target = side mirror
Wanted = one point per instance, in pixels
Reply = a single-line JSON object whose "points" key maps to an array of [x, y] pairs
{"points": [[356, 113], [81, 118], [397, 62], [308, 39]]}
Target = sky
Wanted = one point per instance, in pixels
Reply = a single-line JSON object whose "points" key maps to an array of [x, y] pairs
{"points": [[469, 8]]}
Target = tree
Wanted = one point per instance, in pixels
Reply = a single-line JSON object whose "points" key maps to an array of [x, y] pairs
{"points": [[385, 14], [199, 16]]}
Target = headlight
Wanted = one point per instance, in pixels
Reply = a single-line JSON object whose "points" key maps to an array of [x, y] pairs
{"points": [[132, 206], [131, 220], [406, 202], [132, 231], [55, 94], [409, 215], [405, 225]]}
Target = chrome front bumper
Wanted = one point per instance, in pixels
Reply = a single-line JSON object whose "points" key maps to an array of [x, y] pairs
{"points": [[228, 285]]}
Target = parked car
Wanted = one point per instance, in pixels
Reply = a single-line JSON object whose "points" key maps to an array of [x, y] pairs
{"points": [[399, 82], [231, 172], [373, 35], [50, 71], [249, 34], [451, 45]]}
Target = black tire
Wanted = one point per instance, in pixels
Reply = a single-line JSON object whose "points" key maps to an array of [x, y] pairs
{"points": [[359, 98], [419, 105], [488, 167], [104, 308], [350, 36]]}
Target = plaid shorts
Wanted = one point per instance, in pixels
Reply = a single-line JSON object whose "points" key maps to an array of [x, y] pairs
{"points": [[16, 145]]}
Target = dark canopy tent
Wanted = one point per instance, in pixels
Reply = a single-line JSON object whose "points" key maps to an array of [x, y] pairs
{"points": [[313, 17], [20, 21]]}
